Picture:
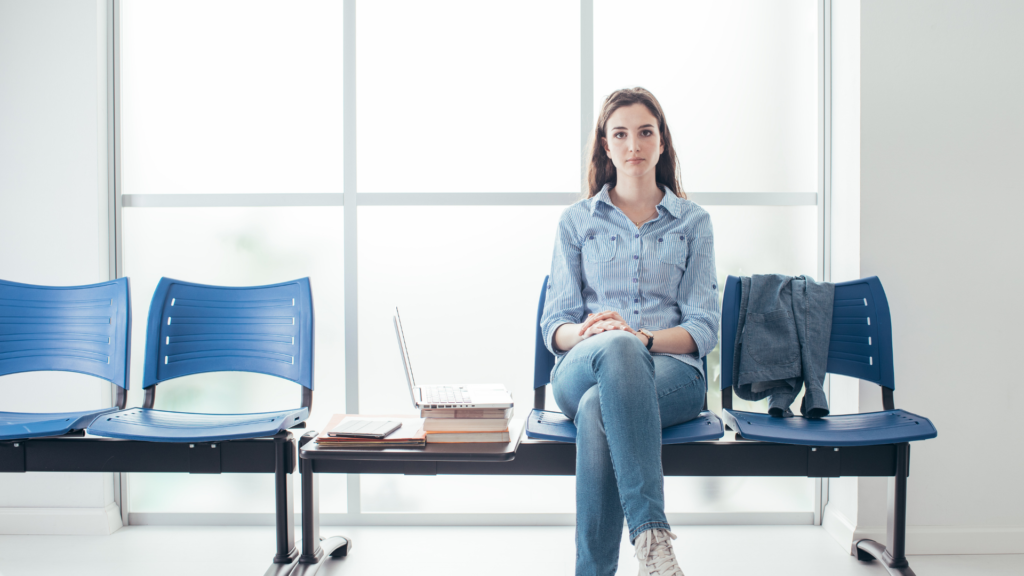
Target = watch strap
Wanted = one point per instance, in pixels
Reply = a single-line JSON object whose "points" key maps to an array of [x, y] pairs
{"points": [[650, 338]]}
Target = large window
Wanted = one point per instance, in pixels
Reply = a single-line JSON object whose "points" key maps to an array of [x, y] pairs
{"points": [[418, 154]]}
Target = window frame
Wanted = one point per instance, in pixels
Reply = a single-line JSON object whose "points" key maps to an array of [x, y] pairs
{"points": [[350, 198]]}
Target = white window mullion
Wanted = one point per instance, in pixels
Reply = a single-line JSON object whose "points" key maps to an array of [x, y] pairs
{"points": [[351, 247]]}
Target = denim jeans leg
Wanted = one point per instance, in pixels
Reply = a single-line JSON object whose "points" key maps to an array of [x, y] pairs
{"points": [[622, 371], [681, 390], [598, 507]]}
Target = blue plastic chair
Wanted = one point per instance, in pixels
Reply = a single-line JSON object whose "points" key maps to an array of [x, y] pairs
{"points": [[195, 329], [706, 426], [861, 347], [84, 329]]}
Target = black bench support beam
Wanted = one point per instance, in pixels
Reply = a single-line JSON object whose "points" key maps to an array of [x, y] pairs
{"points": [[93, 454], [12, 456], [722, 458], [314, 551], [696, 459], [275, 455], [893, 556]]}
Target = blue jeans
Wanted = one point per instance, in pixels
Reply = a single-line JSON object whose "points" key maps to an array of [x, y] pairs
{"points": [[620, 397]]}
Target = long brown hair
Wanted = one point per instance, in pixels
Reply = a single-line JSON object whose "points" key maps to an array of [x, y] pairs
{"points": [[600, 169]]}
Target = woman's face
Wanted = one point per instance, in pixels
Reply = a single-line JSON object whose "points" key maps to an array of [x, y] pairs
{"points": [[633, 141]]}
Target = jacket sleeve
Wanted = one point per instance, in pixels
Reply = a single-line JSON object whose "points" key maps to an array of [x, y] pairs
{"points": [[698, 290], [564, 301]]}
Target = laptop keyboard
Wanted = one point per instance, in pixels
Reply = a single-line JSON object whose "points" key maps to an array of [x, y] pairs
{"points": [[444, 395]]}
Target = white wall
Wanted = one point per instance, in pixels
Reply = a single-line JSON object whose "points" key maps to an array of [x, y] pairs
{"points": [[942, 141], [53, 226]]}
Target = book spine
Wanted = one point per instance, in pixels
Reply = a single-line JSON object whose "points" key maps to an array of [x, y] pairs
{"points": [[464, 425], [458, 437]]}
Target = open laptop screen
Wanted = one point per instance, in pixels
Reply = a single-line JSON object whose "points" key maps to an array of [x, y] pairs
{"points": [[406, 363]]}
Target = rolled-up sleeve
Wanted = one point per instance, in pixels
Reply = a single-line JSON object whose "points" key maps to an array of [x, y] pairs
{"points": [[698, 290], [564, 301]]}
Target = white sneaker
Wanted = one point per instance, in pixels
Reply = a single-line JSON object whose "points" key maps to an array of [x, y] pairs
{"points": [[654, 551]]}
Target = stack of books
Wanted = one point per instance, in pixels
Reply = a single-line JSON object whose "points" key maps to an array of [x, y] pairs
{"points": [[411, 434], [450, 425]]}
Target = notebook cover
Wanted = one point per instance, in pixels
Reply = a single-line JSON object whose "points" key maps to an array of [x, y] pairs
{"points": [[548, 425], [347, 445], [412, 429]]}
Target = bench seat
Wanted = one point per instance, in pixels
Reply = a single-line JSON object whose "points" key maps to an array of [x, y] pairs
{"points": [[868, 429], [17, 425], [163, 426], [549, 425]]}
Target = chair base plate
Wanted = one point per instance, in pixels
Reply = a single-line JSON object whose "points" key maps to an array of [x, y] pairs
{"points": [[308, 565], [868, 550]]}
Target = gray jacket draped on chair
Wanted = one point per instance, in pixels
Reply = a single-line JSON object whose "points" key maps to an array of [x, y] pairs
{"points": [[782, 342]]}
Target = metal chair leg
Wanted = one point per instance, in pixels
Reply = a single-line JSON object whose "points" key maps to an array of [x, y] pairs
{"points": [[314, 550], [311, 552], [893, 556], [284, 517]]}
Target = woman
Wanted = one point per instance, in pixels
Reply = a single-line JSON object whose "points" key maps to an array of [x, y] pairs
{"points": [[632, 307]]}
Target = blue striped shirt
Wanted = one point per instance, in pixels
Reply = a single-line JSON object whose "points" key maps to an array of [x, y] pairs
{"points": [[659, 276]]}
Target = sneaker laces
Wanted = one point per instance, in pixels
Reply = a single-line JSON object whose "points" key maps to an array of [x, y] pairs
{"points": [[654, 550]]}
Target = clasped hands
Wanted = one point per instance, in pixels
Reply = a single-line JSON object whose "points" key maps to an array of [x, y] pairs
{"points": [[604, 321]]}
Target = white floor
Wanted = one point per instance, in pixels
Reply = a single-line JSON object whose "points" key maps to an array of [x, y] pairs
{"points": [[456, 551]]}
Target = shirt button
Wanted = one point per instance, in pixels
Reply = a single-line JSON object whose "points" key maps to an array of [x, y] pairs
{"points": [[636, 257], [636, 311], [637, 236], [659, 239], [613, 237], [634, 279], [636, 300]]}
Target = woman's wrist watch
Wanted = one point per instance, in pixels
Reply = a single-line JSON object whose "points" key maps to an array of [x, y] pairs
{"points": [[650, 337]]}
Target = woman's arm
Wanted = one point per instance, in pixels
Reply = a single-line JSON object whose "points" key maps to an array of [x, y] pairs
{"points": [[698, 290], [672, 341], [563, 303], [569, 335], [676, 340]]}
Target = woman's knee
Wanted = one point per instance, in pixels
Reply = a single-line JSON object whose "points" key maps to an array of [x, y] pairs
{"points": [[620, 345], [588, 413]]}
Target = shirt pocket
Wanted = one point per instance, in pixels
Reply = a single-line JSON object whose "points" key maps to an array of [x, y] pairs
{"points": [[672, 248], [770, 339], [599, 247]]}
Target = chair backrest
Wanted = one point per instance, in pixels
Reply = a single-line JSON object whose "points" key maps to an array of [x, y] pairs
{"points": [[544, 360], [84, 329], [195, 329], [860, 344]]}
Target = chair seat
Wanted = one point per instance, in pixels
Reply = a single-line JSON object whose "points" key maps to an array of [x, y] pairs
{"points": [[548, 425], [18, 425], [162, 426], [886, 427]]}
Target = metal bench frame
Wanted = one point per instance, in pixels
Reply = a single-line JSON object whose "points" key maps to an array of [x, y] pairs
{"points": [[738, 457]]}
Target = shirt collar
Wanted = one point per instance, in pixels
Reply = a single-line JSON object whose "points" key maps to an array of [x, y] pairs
{"points": [[670, 202]]}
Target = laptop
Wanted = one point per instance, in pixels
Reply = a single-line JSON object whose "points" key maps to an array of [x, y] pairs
{"points": [[455, 396]]}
